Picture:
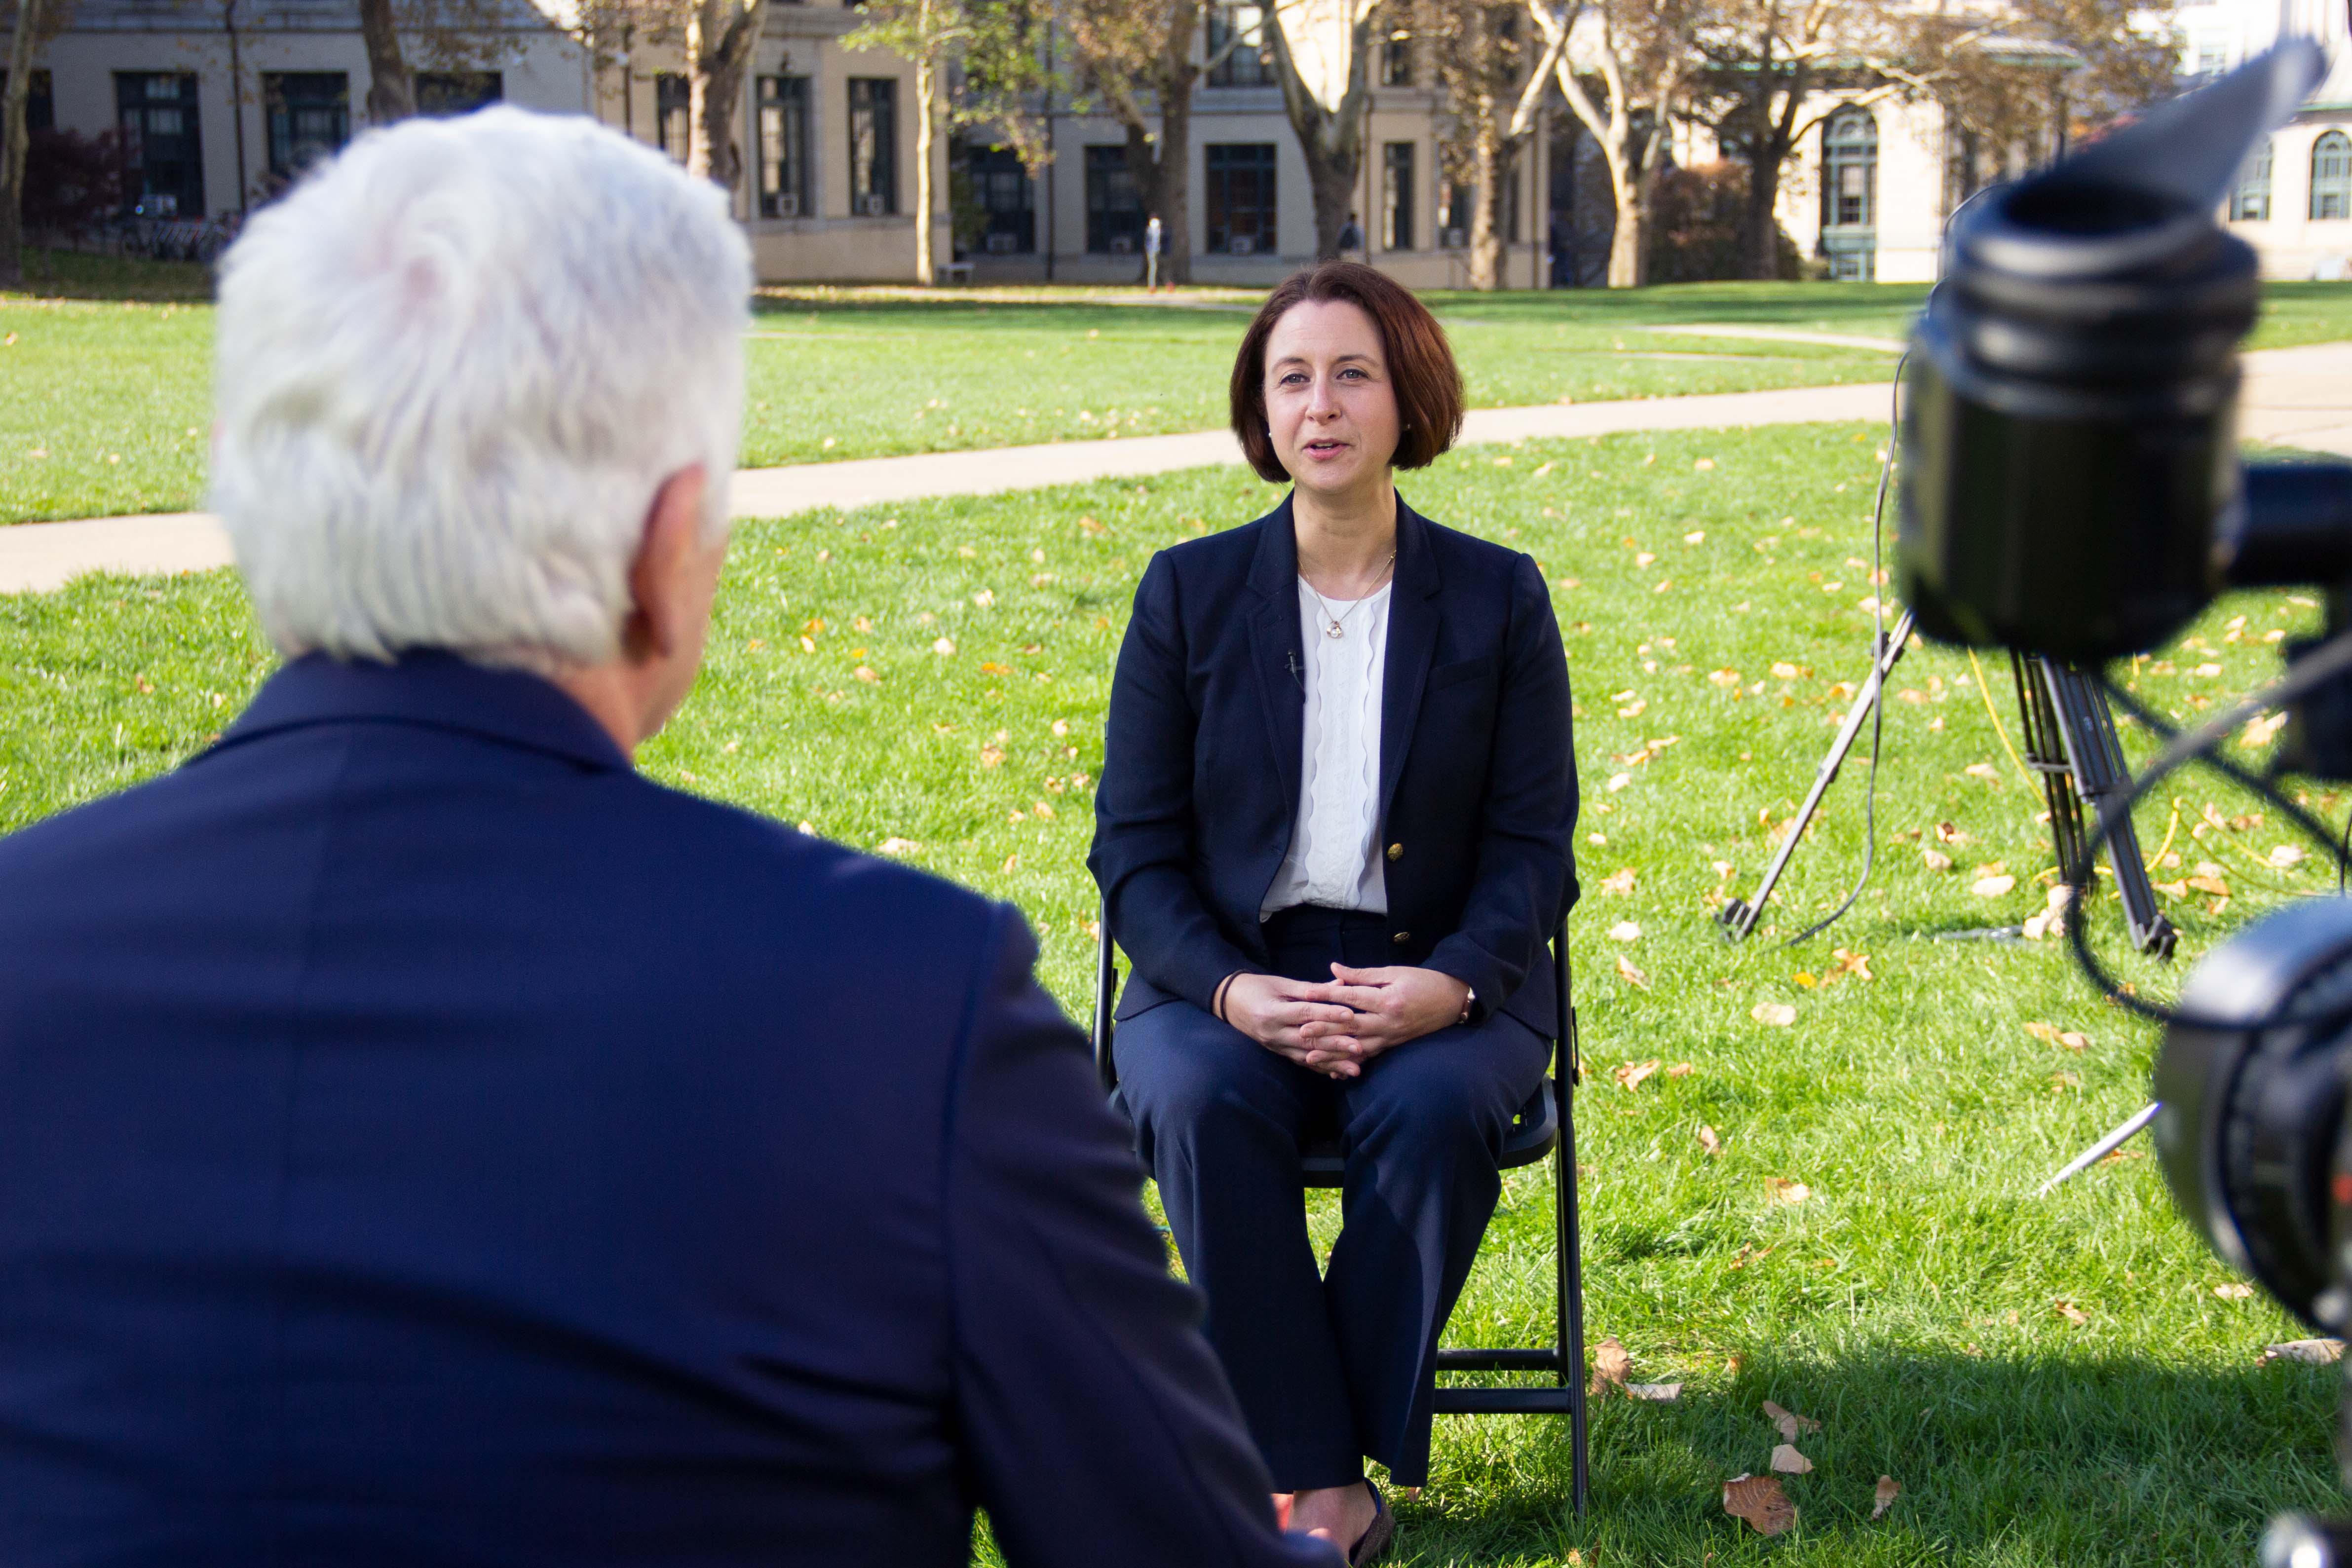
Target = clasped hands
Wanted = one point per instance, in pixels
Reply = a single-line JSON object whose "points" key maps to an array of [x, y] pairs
{"points": [[1337, 1026]]}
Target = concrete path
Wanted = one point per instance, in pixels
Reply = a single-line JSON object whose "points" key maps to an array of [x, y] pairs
{"points": [[2301, 397], [1782, 335]]}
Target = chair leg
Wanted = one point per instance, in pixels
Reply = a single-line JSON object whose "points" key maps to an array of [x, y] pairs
{"points": [[1569, 1283]]}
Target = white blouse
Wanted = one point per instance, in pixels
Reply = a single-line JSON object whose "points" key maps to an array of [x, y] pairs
{"points": [[1334, 859]]}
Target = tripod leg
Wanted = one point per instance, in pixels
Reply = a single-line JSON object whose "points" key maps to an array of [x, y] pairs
{"points": [[1739, 917], [2095, 754], [2106, 1146]]}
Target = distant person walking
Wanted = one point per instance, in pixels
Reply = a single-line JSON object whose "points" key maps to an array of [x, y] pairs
{"points": [[1152, 252], [1351, 237]]}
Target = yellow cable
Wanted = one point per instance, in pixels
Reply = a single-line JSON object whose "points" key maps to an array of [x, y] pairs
{"points": [[2018, 762], [2170, 828]]}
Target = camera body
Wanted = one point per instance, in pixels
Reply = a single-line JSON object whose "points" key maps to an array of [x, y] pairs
{"points": [[2072, 487]]}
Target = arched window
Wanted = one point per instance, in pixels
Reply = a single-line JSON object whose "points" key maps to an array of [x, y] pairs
{"points": [[2331, 176], [1850, 194], [1850, 169], [2251, 202]]}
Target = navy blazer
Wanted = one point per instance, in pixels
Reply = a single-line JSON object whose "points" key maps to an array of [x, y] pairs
{"points": [[1199, 794], [424, 1141]]}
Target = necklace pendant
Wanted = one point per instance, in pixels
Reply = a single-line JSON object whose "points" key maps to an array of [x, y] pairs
{"points": [[1335, 630]]}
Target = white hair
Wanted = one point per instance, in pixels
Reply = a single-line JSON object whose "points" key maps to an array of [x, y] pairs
{"points": [[455, 367]]}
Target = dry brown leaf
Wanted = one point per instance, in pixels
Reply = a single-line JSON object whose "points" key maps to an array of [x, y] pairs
{"points": [[1784, 1190], [2238, 1291], [2212, 885], [1889, 1488], [1779, 1015], [2043, 1032], [1791, 1425], [1619, 881], [1630, 974], [2312, 1351], [2069, 1311], [1855, 964], [1936, 861], [1992, 886], [1709, 1144], [1789, 1462], [1625, 931], [1610, 1366], [1630, 1074], [896, 847], [1981, 770], [1759, 1501], [1950, 833], [1681, 1070]]}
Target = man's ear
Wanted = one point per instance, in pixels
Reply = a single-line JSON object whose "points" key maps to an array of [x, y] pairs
{"points": [[661, 575]]}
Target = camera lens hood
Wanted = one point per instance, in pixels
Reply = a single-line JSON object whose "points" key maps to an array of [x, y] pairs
{"points": [[2251, 1134]]}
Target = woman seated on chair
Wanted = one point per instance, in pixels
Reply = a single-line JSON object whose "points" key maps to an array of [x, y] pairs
{"points": [[1333, 836]]}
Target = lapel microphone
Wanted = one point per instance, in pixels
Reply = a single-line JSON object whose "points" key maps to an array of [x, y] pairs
{"points": [[1296, 679]]}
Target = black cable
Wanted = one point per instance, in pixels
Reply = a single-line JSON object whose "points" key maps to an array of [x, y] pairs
{"points": [[1877, 657], [2312, 826], [2344, 854], [2323, 663]]}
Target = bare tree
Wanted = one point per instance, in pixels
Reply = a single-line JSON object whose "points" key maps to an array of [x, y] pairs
{"points": [[1140, 57], [36, 22], [1637, 53], [719, 38], [392, 89], [1321, 52], [1495, 83]]}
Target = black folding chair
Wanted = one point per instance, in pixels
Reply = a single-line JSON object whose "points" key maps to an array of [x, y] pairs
{"points": [[1544, 1126]]}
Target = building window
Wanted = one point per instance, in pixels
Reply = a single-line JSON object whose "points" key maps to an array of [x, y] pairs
{"points": [[1241, 198], [157, 111], [784, 148], [1114, 205], [1396, 196], [1396, 59], [1848, 170], [1238, 33], [309, 117], [873, 146], [2251, 202], [2331, 176], [1001, 188], [446, 94], [673, 109], [1453, 202]]}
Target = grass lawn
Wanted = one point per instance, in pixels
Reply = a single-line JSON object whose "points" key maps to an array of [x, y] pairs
{"points": [[105, 395], [2067, 1381]]}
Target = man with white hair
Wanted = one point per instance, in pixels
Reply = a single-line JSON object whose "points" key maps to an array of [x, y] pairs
{"points": [[424, 1141]]}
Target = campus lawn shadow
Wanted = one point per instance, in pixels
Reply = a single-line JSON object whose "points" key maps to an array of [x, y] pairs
{"points": [[2001, 1459], [80, 275]]}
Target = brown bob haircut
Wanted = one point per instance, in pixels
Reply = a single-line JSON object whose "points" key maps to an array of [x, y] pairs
{"points": [[1420, 365]]}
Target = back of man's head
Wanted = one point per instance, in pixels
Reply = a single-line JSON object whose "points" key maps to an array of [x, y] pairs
{"points": [[455, 368]]}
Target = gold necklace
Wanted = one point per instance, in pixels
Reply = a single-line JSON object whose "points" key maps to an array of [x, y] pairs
{"points": [[1336, 626]]}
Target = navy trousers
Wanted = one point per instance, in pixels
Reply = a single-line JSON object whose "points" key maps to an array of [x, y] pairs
{"points": [[1334, 1365]]}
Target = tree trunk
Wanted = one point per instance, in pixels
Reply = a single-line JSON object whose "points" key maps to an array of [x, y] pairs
{"points": [[1174, 185], [1331, 139], [1485, 241], [926, 127], [718, 52], [1760, 228], [392, 92], [12, 142]]}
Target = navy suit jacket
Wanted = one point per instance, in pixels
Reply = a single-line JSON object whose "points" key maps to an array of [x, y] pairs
{"points": [[1199, 795], [426, 1141]]}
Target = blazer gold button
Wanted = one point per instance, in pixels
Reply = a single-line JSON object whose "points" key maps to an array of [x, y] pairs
{"points": [[1401, 938], [1396, 851]]}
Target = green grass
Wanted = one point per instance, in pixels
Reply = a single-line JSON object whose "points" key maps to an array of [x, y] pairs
{"points": [[105, 393], [1910, 1302]]}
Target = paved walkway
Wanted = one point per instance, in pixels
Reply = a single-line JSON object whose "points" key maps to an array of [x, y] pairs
{"points": [[2298, 396]]}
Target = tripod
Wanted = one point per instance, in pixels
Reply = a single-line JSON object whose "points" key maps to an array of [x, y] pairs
{"points": [[2070, 741]]}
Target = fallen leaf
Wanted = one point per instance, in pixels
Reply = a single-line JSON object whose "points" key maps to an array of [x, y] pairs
{"points": [[1709, 1142], [2069, 1311], [1789, 1462], [1704, 464], [1855, 964], [1619, 882], [1946, 833], [1724, 678], [2260, 728], [2284, 856], [943, 647], [1936, 859], [2312, 1351], [1759, 1501], [1981, 770], [2212, 885], [1992, 886], [866, 672], [1630, 1074], [1618, 781], [1681, 1070], [896, 847], [1779, 1015], [1791, 1425], [2238, 1291], [1889, 1488], [1805, 980], [1662, 1393], [1630, 974], [1784, 1190], [1784, 671], [1610, 1366], [989, 755], [1634, 708]]}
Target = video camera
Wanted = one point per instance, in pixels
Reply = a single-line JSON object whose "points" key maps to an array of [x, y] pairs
{"points": [[2070, 486]]}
